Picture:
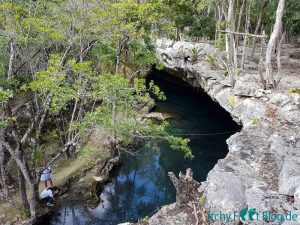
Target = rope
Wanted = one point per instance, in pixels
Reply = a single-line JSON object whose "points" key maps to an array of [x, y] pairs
{"points": [[206, 134]]}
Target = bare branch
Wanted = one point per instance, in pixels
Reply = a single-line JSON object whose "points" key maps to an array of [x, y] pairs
{"points": [[246, 34]]}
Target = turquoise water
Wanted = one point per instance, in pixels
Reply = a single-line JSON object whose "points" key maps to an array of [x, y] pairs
{"points": [[141, 185]]}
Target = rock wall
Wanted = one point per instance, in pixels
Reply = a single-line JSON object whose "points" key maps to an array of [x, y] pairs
{"points": [[262, 168]]}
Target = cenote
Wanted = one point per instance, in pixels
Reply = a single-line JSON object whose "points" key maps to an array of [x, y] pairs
{"points": [[141, 185]]}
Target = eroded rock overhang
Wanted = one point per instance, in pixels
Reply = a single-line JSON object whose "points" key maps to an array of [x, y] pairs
{"points": [[262, 168]]}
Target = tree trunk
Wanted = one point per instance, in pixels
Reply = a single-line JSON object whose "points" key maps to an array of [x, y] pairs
{"points": [[118, 53], [22, 190], [240, 16], [279, 53], [256, 32], [230, 42], [272, 42], [186, 187], [11, 60], [247, 25], [114, 120], [34, 188], [264, 4], [3, 173], [239, 22], [177, 33], [26, 173], [219, 17], [261, 75]]}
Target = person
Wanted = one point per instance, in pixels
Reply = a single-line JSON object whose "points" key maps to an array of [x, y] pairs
{"points": [[47, 196], [46, 177]]}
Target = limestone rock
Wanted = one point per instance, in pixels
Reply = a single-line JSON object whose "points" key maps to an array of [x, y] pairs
{"points": [[250, 109], [171, 215], [289, 178], [247, 85], [290, 113], [297, 197], [290, 223], [224, 192], [155, 115], [262, 165], [279, 99], [255, 198]]}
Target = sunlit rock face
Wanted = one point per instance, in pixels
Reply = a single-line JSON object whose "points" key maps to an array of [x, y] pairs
{"points": [[262, 168]]}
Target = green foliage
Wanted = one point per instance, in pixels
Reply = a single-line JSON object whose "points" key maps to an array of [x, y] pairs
{"points": [[255, 121], [4, 123], [133, 18], [178, 143], [231, 99], [89, 154], [55, 83], [25, 213], [202, 201], [3, 57], [238, 72], [141, 54], [212, 60], [179, 13], [157, 92], [5, 95], [146, 219], [11, 83], [295, 91], [195, 54], [159, 66], [291, 18], [203, 26], [118, 116], [38, 153], [52, 82], [220, 42], [104, 57]]}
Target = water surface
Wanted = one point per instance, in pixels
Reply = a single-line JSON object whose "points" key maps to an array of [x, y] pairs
{"points": [[141, 185]]}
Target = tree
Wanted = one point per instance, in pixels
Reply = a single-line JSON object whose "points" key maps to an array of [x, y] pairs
{"points": [[62, 86], [272, 42], [230, 42], [247, 26], [180, 14], [262, 7], [118, 113]]}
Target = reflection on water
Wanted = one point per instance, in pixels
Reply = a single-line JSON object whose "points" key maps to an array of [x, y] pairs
{"points": [[141, 185]]}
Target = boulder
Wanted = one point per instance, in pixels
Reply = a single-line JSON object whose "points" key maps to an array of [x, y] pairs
{"points": [[289, 178], [155, 115], [247, 85], [250, 109], [290, 113], [171, 215], [255, 198], [224, 192], [279, 99]]}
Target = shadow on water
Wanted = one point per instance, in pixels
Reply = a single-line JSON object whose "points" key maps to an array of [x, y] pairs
{"points": [[141, 185]]}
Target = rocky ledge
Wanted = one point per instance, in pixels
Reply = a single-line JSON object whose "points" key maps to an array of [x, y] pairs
{"points": [[262, 168]]}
